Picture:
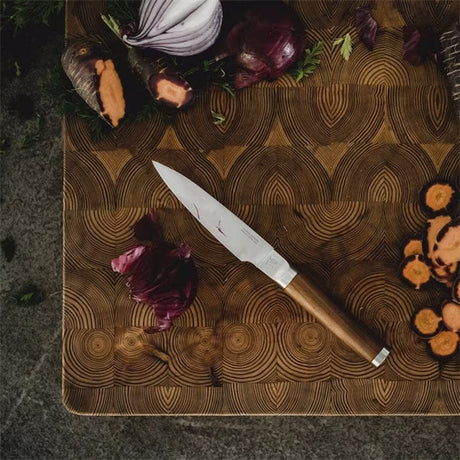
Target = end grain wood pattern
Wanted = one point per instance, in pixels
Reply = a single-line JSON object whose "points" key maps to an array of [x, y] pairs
{"points": [[328, 171]]}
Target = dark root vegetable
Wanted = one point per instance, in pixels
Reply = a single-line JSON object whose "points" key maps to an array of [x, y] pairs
{"points": [[439, 197], [446, 250], [412, 246], [366, 26], [451, 315], [456, 290], [432, 228], [164, 83], [426, 322], [443, 345], [87, 63], [265, 42], [415, 271]]}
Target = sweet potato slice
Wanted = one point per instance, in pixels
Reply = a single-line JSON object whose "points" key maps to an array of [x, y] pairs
{"points": [[443, 345], [415, 271], [438, 197], [451, 315], [426, 322]]}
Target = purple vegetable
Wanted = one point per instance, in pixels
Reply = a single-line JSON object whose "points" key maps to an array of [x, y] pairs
{"points": [[148, 228], [420, 43], [160, 274], [265, 42], [366, 26]]}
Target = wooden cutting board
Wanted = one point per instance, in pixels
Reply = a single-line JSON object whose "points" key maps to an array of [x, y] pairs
{"points": [[328, 171]]}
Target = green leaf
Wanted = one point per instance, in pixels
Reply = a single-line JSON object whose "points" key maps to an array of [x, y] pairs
{"points": [[218, 118], [338, 41], [28, 295], [311, 60], [347, 45]]}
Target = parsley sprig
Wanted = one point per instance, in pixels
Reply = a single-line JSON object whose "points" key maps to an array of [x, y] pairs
{"points": [[306, 66]]}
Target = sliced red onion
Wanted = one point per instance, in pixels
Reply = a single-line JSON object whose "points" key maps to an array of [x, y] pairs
{"points": [[366, 26], [160, 274], [177, 27]]}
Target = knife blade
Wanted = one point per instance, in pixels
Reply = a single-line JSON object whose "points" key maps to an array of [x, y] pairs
{"points": [[248, 246]]}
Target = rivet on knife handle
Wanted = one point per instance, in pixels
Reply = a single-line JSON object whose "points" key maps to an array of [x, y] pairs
{"points": [[248, 246]]}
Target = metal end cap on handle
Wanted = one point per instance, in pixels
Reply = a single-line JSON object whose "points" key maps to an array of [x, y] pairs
{"points": [[383, 353]]}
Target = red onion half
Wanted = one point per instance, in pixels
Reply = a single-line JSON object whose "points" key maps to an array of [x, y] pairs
{"points": [[267, 40]]}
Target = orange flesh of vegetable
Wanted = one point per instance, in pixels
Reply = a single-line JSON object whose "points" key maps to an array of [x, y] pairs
{"points": [[444, 343], [427, 321], [171, 92], [413, 247], [110, 91], [438, 196], [435, 226], [451, 316], [449, 247], [417, 272]]}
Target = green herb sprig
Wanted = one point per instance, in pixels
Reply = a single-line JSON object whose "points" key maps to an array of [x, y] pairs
{"points": [[29, 295], [306, 66]]}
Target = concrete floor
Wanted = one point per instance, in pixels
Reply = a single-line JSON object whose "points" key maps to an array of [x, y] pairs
{"points": [[34, 423]]}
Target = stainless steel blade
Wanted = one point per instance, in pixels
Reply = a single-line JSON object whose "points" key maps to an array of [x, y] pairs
{"points": [[227, 228]]}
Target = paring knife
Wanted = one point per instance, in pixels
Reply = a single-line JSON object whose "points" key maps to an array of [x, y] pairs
{"points": [[248, 246]]}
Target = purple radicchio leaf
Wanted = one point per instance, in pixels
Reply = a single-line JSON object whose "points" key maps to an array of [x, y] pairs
{"points": [[148, 228], [420, 43], [162, 275], [366, 26]]}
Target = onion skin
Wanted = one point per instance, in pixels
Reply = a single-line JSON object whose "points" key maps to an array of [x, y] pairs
{"points": [[176, 27]]}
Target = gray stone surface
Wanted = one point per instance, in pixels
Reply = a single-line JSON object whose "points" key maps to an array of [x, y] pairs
{"points": [[34, 423]]}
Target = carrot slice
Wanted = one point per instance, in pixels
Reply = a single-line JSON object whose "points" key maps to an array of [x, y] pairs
{"points": [[415, 271], [439, 197], [443, 345], [426, 322]]}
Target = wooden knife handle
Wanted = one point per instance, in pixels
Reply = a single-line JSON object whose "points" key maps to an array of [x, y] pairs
{"points": [[342, 324]]}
